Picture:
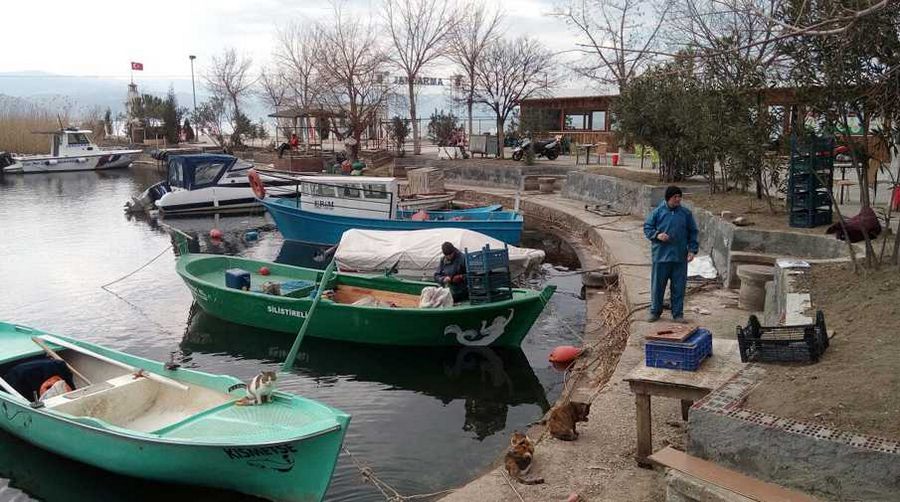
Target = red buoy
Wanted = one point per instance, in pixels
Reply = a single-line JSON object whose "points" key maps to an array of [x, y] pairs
{"points": [[564, 354], [215, 233], [264, 271]]}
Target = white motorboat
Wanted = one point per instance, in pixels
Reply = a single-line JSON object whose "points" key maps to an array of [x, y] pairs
{"points": [[71, 150], [204, 183]]}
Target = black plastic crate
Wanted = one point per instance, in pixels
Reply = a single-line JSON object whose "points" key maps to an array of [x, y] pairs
{"points": [[800, 343], [811, 200], [487, 260], [811, 218]]}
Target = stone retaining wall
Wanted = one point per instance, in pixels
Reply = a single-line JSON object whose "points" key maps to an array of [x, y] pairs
{"points": [[829, 463], [491, 173], [635, 198]]}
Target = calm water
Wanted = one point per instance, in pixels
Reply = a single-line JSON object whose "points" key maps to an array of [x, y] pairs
{"points": [[424, 420]]}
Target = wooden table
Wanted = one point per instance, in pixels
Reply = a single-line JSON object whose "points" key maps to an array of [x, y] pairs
{"points": [[587, 153], [688, 386]]}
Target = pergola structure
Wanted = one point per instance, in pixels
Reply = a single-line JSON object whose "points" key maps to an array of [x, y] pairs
{"points": [[304, 121]]}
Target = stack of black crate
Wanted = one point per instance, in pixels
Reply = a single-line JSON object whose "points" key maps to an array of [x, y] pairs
{"points": [[810, 182], [488, 276]]}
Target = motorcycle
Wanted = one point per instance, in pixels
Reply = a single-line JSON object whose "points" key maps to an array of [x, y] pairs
{"points": [[547, 148]]}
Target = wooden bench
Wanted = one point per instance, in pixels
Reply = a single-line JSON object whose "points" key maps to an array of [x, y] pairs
{"points": [[733, 481]]}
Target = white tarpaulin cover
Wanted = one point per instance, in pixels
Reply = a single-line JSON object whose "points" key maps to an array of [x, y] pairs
{"points": [[417, 252]]}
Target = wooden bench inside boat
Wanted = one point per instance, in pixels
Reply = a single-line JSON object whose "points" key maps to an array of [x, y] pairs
{"points": [[350, 294]]}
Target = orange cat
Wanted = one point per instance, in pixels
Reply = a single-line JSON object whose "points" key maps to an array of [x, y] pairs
{"points": [[519, 458], [564, 417]]}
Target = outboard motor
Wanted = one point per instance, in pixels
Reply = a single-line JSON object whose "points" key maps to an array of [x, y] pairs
{"points": [[6, 160], [146, 201]]}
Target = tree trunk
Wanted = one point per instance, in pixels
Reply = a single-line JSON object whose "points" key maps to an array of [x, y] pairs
{"points": [[417, 142], [500, 137], [469, 104]]}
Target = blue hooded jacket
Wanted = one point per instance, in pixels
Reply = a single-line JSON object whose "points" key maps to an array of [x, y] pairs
{"points": [[682, 229]]}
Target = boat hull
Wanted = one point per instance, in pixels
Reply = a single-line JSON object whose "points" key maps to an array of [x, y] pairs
{"points": [[292, 467], [96, 161], [317, 228], [289, 471], [499, 324]]}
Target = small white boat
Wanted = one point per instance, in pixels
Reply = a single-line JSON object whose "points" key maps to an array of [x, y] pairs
{"points": [[204, 183], [71, 150]]}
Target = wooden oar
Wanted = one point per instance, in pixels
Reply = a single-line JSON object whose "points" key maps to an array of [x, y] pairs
{"points": [[9, 388], [152, 376], [53, 355], [292, 355]]}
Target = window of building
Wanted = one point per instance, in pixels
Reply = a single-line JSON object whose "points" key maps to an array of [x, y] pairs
{"points": [[598, 120], [576, 121]]}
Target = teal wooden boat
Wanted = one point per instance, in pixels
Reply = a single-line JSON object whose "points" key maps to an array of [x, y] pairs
{"points": [[133, 416], [371, 309]]}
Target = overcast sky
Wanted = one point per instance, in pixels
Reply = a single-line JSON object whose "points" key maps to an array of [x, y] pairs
{"points": [[102, 37]]}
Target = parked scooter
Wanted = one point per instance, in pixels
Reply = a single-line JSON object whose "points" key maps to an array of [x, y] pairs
{"points": [[548, 148]]}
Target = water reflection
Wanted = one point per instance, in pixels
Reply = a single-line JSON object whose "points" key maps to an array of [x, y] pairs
{"points": [[490, 380]]}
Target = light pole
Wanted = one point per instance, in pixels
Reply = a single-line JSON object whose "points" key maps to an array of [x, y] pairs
{"points": [[193, 90]]}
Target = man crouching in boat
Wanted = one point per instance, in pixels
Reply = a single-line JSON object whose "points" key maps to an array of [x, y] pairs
{"points": [[451, 272]]}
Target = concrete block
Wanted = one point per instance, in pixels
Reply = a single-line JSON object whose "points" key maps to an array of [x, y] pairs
{"points": [[683, 487]]}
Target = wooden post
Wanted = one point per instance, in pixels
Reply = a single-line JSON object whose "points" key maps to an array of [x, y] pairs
{"points": [[644, 432]]}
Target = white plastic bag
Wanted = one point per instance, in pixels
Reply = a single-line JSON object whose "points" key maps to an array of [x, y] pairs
{"points": [[434, 297]]}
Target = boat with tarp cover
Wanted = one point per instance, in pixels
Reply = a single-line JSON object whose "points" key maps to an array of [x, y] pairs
{"points": [[375, 309]]}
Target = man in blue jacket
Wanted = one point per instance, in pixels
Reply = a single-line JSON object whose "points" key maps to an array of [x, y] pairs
{"points": [[672, 230]]}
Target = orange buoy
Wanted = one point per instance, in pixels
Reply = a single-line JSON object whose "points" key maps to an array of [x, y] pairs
{"points": [[264, 271], [564, 354], [215, 233]]}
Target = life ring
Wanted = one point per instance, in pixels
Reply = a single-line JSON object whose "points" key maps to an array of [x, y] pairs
{"points": [[256, 184]]}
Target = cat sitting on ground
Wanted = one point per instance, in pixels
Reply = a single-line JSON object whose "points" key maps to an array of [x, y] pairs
{"points": [[564, 417], [259, 390], [519, 458]]}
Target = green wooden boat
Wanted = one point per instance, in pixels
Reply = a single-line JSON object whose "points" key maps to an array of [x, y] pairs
{"points": [[395, 319], [133, 416]]}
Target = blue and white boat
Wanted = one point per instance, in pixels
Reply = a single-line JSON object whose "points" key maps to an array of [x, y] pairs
{"points": [[327, 206]]}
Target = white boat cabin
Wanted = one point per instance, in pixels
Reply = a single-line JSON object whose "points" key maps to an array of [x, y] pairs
{"points": [[71, 142], [355, 196]]}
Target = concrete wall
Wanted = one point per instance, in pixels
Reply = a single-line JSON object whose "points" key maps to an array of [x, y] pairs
{"points": [[621, 195], [492, 173], [829, 469]]}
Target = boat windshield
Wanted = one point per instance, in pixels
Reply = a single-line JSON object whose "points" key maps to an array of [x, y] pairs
{"points": [[207, 172], [78, 139]]}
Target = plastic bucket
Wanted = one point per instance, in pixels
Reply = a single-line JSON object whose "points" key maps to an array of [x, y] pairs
{"points": [[615, 159]]}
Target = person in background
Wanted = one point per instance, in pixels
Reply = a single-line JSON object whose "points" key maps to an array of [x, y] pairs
{"points": [[673, 233], [292, 144], [451, 272]]}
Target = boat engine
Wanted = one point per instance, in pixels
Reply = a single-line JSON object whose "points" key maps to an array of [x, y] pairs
{"points": [[146, 201], [5, 160]]}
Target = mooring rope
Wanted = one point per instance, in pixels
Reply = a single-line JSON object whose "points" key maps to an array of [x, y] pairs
{"points": [[132, 305], [390, 494], [137, 269]]}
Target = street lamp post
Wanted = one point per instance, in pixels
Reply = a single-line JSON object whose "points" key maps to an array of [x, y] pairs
{"points": [[193, 89]]}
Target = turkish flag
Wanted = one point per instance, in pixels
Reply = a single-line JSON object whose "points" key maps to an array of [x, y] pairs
{"points": [[137, 66]]}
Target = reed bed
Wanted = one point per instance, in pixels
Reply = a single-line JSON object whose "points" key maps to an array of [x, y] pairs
{"points": [[18, 120]]}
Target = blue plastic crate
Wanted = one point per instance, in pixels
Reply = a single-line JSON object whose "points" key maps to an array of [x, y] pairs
{"points": [[684, 356], [237, 278]]}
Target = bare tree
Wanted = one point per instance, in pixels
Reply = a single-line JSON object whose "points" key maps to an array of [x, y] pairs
{"points": [[272, 88], [350, 62], [294, 56], [618, 38], [419, 33], [229, 77], [477, 29], [508, 72]]}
